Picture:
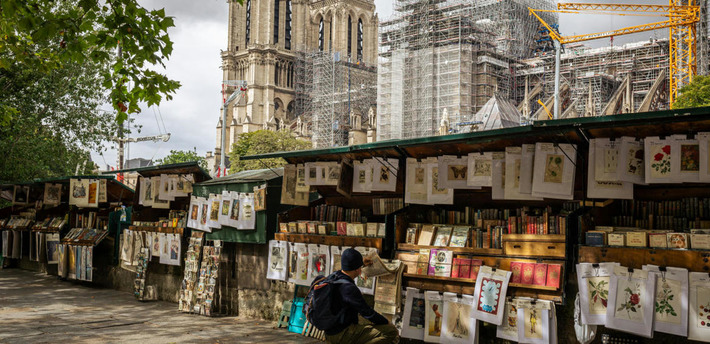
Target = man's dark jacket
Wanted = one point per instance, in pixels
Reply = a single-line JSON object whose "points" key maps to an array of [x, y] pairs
{"points": [[348, 302]]}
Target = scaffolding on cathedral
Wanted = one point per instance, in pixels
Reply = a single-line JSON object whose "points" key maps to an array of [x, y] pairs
{"points": [[449, 56], [328, 89]]}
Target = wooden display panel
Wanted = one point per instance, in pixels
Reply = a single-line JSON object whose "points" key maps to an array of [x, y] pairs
{"points": [[633, 257], [463, 250], [331, 240], [534, 249]]}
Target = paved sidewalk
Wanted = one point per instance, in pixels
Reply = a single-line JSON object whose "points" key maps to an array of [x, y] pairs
{"points": [[36, 308]]}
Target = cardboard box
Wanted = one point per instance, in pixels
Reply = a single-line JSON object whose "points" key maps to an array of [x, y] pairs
{"points": [[617, 239], [657, 240], [636, 239], [700, 241], [677, 240], [595, 238]]}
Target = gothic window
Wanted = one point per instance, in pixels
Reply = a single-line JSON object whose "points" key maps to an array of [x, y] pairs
{"points": [[276, 21], [350, 36], [359, 39], [276, 73], [248, 21], [321, 34], [288, 25]]}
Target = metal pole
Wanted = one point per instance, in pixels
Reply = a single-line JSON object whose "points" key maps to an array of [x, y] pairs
{"points": [[222, 164], [558, 49]]}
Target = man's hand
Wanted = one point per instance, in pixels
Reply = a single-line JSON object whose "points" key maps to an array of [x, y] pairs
{"points": [[366, 262]]}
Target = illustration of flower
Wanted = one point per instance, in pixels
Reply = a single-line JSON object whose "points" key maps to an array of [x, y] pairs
{"points": [[633, 297], [662, 163], [658, 157], [599, 291], [639, 154], [663, 298], [666, 149]]}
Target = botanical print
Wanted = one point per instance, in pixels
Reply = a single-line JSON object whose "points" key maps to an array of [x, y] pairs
{"points": [[435, 182], [434, 327], [419, 173], [661, 161], [598, 294], [689, 158], [457, 318], [482, 168], [457, 172], [611, 160], [554, 166], [490, 292], [533, 326], [703, 307], [416, 316], [667, 303], [628, 296]]}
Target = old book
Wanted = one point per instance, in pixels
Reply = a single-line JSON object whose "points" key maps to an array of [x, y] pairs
{"points": [[459, 266], [540, 274], [442, 260], [342, 228], [700, 241], [553, 275], [516, 268], [359, 229], [322, 229], [619, 239], [302, 227], [409, 259], [443, 236], [350, 229], [677, 240], [371, 229], [283, 227], [381, 230], [527, 273], [636, 239], [475, 267], [293, 227], [411, 236], [311, 227], [595, 238], [426, 235], [459, 236], [657, 240], [423, 262]]}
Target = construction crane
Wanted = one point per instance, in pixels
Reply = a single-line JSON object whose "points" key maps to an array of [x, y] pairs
{"points": [[124, 140], [682, 16]]}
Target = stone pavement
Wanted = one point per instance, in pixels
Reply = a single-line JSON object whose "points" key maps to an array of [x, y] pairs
{"points": [[36, 308]]}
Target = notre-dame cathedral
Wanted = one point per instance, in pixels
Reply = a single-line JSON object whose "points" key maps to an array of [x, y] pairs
{"points": [[269, 38]]}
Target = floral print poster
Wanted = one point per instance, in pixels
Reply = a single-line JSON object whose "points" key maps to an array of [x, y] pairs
{"points": [[660, 161], [703, 309], [631, 301], [628, 300], [668, 297], [598, 288]]}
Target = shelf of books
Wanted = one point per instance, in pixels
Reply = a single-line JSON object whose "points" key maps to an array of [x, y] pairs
{"points": [[635, 257]]}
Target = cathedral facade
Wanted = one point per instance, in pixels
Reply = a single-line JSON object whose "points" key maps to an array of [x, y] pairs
{"points": [[266, 42]]}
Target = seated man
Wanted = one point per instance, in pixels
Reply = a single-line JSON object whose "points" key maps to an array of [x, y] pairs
{"points": [[349, 298]]}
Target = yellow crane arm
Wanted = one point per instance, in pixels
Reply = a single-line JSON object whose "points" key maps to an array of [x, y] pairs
{"points": [[662, 10]]}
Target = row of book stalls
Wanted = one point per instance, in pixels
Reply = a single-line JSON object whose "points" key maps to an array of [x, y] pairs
{"points": [[575, 230]]}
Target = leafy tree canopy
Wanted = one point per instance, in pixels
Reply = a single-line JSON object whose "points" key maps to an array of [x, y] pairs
{"points": [[260, 142], [45, 36], [695, 94], [178, 156]]}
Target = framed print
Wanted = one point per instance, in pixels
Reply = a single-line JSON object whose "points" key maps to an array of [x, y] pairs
{"points": [[278, 260], [413, 318], [593, 281], [21, 195], [490, 293], [52, 194], [213, 213], [384, 175], [699, 306], [686, 160], [498, 179], [362, 176], [605, 189], [458, 325], [480, 169], [671, 300], [534, 321], [415, 190], [554, 172], [454, 173], [513, 175], [631, 297], [433, 316], [436, 194], [193, 213]]}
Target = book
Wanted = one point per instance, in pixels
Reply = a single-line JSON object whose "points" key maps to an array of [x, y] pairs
{"points": [[700, 241], [350, 229], [322, 229], [311, 227], [540, 274], [442, 260], [636, 239], [677, 240], [458, 266], [475, 267], [423, 262], [443, 236], [516, 269], [342, 228], [409, 259], [359, 229], [459, 236], [595, 238], [411, 235], [302, 227], [657, 240], [293, 227], [381, 230], [371, 229], [619, 239], [283, 227], [527, 273], [426, 235], [432, 260], [554, 272]]}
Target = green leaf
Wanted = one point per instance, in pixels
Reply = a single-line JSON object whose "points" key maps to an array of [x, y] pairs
{"points": [[633, 309]]}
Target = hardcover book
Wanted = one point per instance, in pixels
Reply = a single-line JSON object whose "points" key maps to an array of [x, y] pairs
{"points": [[426, 235], [516, 268], [342, 228], [595, 238], [423, 262], [283, 227], [350, 229], [459, 236], [443, 236], [475, 267], [322, 229], [411, 235], [311, 227], [540, 274], [554, 272], [700, 241], [359, 229], [371, 229], [459, 266], [527, 273], [381, 230], [293, 227], [302, 227]]}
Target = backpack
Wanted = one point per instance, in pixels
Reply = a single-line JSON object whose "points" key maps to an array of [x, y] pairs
{"points": [[318, 303]]}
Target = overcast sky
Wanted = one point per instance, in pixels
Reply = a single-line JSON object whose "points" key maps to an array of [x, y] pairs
{"points": [[201, 31]]}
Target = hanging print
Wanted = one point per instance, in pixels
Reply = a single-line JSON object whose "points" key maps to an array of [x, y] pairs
{"points": [[489, 297], [434, 316], [413, 318], [415, 190], [671, 299], [509, 328], [278, 260], [458, 325], [480, 169], [699, 307], [686, 160], [631, 296], [631, 161], [593, 281], [659, 160], [605, 189]]}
